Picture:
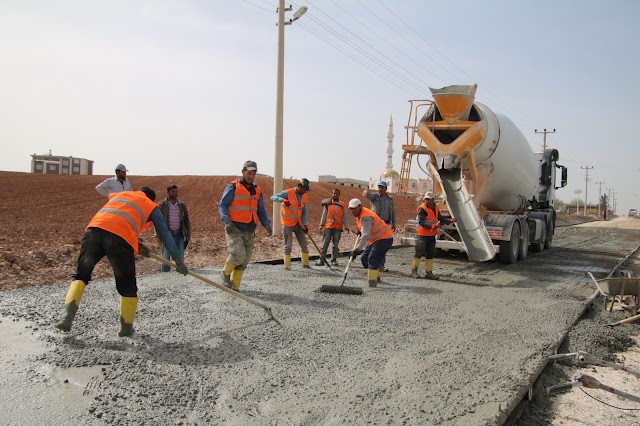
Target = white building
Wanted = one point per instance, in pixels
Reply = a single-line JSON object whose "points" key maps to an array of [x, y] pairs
{"points": [[58, 165], [342, 181]]}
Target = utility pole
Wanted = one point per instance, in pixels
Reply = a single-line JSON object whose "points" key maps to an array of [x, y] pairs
{"points": [[277, 168], [586, 186], [599, 196], [544, 139], [577, 192]]}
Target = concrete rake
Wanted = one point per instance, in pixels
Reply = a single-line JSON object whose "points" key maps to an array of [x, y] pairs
{"points": [[342, 289], [219, 286]]}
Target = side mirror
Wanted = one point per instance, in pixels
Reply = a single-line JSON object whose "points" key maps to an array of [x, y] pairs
{"points": [[563, 182]]}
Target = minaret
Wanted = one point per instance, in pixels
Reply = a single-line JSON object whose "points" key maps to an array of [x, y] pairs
{"points": [[390, 144]]}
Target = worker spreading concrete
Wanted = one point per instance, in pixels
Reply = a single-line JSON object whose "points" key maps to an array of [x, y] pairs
{"points": [[294, 219], [429, 218], [375, 235], [114, 232]]}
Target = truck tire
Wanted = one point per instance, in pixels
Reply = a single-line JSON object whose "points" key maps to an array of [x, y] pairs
{"points": [[538, 246], [509, 249], [550, 231], [524, 244]]}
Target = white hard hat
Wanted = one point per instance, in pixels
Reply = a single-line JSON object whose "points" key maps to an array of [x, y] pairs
{"points": [[429, 195], [354, 203]]}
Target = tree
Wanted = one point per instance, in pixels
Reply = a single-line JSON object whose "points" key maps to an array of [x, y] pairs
{"points": [[604, 202]]}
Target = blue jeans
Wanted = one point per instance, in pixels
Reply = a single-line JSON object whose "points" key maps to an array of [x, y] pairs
{"points": [[179, 239], [373, 256]]}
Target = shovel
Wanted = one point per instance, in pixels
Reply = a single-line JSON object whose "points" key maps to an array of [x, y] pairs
{"points": [[218, 286], [342, 289]]}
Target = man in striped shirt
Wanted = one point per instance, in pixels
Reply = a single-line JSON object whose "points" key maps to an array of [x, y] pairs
{"points": [[176, 216]]}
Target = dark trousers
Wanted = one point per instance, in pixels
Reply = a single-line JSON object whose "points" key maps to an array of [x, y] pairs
{"points": [[98, 243], [425, 246], [373, 256]]}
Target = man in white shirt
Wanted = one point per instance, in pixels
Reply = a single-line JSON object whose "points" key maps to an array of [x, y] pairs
{"points": [[119, 183]]}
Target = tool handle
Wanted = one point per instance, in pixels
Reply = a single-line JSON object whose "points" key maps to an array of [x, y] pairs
{"points": [[350, 258], [218, 286], [625, 321]]}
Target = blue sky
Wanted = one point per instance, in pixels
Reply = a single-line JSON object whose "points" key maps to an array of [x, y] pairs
{"points": [[188, 87]]}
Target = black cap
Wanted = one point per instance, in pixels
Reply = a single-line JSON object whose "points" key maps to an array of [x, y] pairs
{"points": [[304, 183]]}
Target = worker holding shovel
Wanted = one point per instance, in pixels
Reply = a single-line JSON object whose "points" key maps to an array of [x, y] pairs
{"points": [[375, 235], [241, 208], [293, 216], [114, 232], [429, 218]]}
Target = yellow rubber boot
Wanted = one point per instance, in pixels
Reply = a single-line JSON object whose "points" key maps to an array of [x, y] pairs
{"points": [[373, 277], [225, 275], [305, 259], [71, 304], [428, 268], [287, 262], [414, 267], [128, 308], [236, 277]]}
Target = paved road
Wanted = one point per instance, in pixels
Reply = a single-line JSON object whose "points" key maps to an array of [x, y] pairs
{"points": [[457, 351]]}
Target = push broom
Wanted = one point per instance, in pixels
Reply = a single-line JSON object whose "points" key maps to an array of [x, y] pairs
{"points": [[343, 289]]}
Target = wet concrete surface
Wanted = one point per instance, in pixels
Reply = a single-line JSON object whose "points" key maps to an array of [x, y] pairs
{"points": [[457, 351]]}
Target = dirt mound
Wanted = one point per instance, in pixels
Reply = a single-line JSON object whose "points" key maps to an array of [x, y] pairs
{"points": [[45, 215]]}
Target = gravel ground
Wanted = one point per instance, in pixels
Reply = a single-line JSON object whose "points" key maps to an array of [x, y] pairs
{"points": [[459, 351]]}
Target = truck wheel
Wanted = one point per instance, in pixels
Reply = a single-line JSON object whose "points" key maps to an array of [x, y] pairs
{"points": [[550, 231], [524, 245], [509, 249], [539, 245]]}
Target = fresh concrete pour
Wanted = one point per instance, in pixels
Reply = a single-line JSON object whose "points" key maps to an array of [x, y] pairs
{"points": [[456, 351]]}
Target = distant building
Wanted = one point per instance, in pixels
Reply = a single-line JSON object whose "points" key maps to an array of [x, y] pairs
{"points": [[343, 181], [58, 165], [392, 178]]}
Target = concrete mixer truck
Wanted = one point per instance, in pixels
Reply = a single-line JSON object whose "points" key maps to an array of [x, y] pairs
{"points": [[487, 176]]}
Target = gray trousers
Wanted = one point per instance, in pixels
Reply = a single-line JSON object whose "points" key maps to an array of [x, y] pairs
{"points": [[240, 247], [288, 232], [331, 235]]}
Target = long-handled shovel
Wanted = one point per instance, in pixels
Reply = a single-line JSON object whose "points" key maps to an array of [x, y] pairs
{"points": [[218, 286], [624, 321], [342, 288]]}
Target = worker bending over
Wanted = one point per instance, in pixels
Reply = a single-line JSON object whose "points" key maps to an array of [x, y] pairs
{"points": [[114, 232], [293, 216], [375, 235], [428, 219]]}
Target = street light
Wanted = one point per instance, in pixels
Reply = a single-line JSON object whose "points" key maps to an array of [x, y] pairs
{"points": [[277, 174]]}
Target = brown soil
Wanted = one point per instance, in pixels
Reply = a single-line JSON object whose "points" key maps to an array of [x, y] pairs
{"points": [[44, 216]]}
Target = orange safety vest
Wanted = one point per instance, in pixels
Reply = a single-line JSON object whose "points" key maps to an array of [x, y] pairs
{"points": [[289, 215], [379, 230], [125, 215], [244, 207], [335, 216], [431, 219]]}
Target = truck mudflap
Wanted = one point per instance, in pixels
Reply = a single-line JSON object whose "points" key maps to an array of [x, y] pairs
{"points": [[470, 226]]}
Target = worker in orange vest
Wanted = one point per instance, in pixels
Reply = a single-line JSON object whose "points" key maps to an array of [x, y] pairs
{"points": [[333, 221], [293, 216], [428, 219], [376, 238], [114, 232], [241, 208]]}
